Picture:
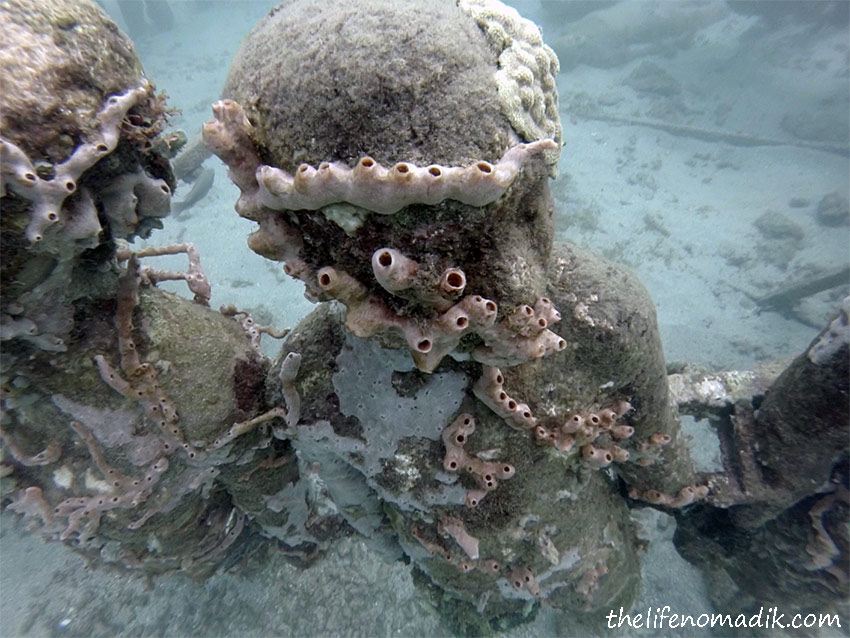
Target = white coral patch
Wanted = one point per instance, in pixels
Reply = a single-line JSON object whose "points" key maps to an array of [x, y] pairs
{"points": [[63, 477]]}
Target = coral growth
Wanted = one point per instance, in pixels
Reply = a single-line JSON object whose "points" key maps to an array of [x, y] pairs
{"points": [[527, 69]]}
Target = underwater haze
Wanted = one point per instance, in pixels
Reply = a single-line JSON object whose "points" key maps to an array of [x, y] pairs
{"points": [[706, 150]]}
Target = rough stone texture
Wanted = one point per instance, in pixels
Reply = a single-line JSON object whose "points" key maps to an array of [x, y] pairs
{"points": [[84, 462], [805, 415], [393, 73], [712, 395], [781, 561], [615, 351], [833, 211], [524, 522], [345, 82], [381, 79]]}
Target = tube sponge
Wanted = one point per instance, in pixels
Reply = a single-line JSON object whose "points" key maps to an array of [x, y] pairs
{"points": [[522, 578], [453, 282], [473, 497], [433, 338], [482, 312], [524, 322], [278, 241], [543, 308], [386, 190], [340, 285], [659, 439], [455, 320], [47, 196], [685, 496], [523, 335], [597, 457], [455, 528], [490, 391], [393, 271], [620, 432], [228, 136], [487, 473], [456, 433]]}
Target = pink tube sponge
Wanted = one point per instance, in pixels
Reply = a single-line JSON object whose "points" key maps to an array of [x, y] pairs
{"points": [[393, 271]]}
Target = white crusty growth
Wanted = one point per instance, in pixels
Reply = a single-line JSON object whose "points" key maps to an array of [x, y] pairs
{"points": [[387, 190], [527, 72]]}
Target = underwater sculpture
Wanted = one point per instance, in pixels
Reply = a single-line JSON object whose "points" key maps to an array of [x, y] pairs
{"points": [[776, 525], [482, 379], [101, 435], [479, 399]]}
